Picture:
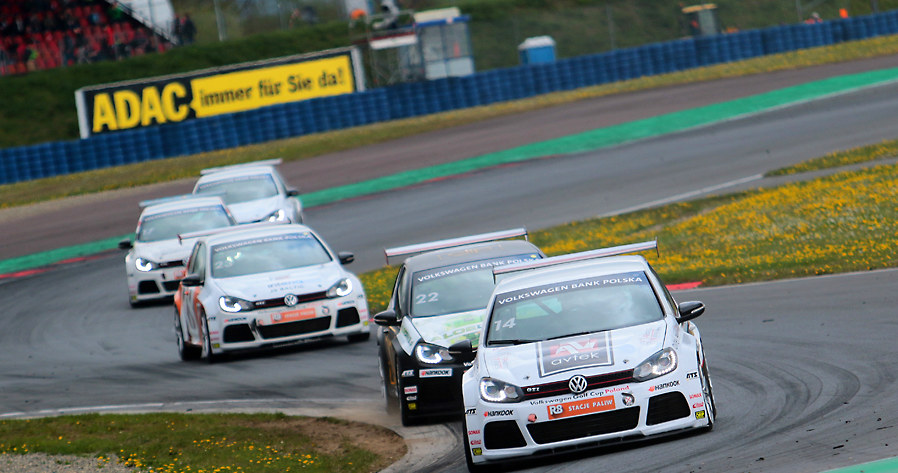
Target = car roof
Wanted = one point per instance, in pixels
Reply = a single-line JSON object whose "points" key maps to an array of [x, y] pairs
{"points": [[571, 271], [181, 203], [243, 232], [466, 253], [242, 171]]}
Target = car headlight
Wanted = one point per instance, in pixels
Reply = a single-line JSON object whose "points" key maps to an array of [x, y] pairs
{"points": [[143, 264], [341, 288], [432, 354], [277, 216], [659, 364], [493, 390], [234, 304]]}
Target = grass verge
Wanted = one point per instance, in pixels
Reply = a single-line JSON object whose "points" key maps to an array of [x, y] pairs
{"points": [[174, 443], [840, 223], [308, 146]]}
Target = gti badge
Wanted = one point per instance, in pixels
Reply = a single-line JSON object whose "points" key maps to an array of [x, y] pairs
{"points": [[290, 300], [577, 384]]}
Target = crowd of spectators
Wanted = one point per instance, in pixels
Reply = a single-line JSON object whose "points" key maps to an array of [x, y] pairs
{"points": [[44, 34]]}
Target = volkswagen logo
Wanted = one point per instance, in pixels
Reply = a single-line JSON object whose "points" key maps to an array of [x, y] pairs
{"points": [[577, 384], [290, 300]]}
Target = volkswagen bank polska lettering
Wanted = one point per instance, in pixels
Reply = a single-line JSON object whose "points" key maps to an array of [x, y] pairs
{"points": [[611, 280]]}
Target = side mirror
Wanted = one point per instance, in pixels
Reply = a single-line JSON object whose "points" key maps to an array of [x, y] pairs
{"points": [[689, 310], [463, 351], [387, 318], [346, 257], [125, 244], [192, 281], [292, 192]]}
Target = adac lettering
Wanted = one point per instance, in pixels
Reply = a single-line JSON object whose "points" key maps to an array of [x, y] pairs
{"points": [[129, 108]]}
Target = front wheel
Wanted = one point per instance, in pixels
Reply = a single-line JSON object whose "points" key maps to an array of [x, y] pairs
{"points": [[708, 391], [207, 353], [186, 351]]}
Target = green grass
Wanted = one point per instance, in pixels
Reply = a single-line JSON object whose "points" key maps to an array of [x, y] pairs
{"points": [[170, 443]]}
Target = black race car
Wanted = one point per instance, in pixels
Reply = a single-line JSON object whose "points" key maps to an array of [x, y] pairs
{"points": [[439, 299]]}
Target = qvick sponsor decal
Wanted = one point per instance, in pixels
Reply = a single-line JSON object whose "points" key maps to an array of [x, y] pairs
{"points": [[661, 386], [573, 353], [506, 412]]}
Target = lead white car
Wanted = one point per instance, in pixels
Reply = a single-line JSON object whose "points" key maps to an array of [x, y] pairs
{"points": [[579, 350], [255, 192], [262, 285], [155, 260]]}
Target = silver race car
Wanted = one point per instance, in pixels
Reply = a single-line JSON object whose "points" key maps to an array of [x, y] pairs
{"points": [[155, 260], [261, 285], [255, 192], [581, 350]]}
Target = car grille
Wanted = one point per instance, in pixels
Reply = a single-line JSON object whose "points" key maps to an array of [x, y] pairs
{"points": [[347, 317], [147, 287], [171, 285], [238, 333], [593, 382], [502, 434], [279, 301], [667, 407], [171, 264], [294, 328], [584, 426]]}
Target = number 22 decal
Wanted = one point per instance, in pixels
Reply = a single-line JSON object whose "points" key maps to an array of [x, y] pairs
{"points": [[425, 298]]}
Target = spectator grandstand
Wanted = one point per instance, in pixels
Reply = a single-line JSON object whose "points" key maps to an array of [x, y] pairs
{"points": [[45, 34]]}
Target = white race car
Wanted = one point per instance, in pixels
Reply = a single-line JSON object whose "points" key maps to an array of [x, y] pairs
{"points": [[578, 351], [255, 192], [155, 260], [261, 285]]}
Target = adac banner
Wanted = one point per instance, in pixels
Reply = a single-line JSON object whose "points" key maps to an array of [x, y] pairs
{"points": [[206, 93]]}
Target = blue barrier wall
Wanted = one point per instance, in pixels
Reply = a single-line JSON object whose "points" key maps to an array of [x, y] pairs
{"points": [[422, 98]]}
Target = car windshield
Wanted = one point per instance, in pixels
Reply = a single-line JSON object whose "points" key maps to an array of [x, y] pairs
{"points": [[240, 189], [269, 253], [166, 226], [570, 308], [459, 287]]}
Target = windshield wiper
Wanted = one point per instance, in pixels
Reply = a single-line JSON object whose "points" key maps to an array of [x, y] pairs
{"points": [[574, 334], [510, 342]]}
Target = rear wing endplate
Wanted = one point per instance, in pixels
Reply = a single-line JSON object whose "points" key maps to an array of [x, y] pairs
{"points": [[162, 200], [453, 242], [581, 256], [264, 162]]}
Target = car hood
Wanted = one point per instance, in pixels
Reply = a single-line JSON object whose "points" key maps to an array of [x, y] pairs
{"points": [[164, 250], [297, 281], [445, 330], [588, 355], [254, 210]]}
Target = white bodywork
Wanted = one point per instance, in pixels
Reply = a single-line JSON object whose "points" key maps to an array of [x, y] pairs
{"points": [[545, 371], [281, 205]]}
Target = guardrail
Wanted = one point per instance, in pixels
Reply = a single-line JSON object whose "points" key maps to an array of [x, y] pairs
{"points": [[421, 98]]}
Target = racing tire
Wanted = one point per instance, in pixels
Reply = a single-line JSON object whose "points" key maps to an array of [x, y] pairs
{"points": [[708, 391], [207, 353], [186, 351], [385, 390], [469, 459], [358, 337]]}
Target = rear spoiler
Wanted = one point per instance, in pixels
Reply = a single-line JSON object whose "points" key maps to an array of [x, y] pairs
{"points": [[581, 256], [264, 162], [219, 230], [162, 200], [453, 242]]}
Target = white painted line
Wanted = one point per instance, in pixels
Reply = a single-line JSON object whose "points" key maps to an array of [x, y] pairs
{"points": [[684, 196]]}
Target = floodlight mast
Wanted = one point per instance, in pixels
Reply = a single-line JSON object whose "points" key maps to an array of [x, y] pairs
{"points": [[454, 242]]}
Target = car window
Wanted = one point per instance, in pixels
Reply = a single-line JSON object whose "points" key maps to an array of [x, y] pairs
{"points": [[240, 189], [459, 287], [167, 226], [264, 254], [196, 264], [565, 308], [400, 292]]}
